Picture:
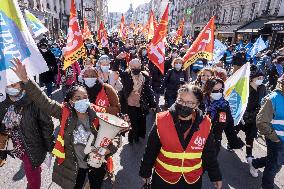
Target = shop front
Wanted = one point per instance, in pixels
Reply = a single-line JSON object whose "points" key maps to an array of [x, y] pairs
{"points": [[277, 29]]}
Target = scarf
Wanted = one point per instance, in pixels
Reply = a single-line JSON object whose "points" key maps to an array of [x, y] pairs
{"points": [[138, 81], [213, 106], [58, 150]]}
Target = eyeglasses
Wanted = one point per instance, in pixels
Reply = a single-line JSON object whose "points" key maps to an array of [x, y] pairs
{"points": [[186, 103], [206, 75], [218, 91]]}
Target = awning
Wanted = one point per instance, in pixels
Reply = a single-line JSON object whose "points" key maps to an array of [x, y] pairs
{"points": [[278, 20], [276, 25], [253, 26], [227, 29]]}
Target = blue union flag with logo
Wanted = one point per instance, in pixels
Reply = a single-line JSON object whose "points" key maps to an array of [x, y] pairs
{"points": [[16, 42]]}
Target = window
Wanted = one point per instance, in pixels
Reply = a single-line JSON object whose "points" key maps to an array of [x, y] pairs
{"points": [[241, 12], [47, 6], [252, 11], [232, 14], [224, 16]]}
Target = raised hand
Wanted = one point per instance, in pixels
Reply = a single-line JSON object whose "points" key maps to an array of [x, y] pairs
{"points": [[20, 70]]}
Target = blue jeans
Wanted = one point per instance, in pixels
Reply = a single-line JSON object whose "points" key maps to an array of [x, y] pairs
{"points": [[272, 163]]}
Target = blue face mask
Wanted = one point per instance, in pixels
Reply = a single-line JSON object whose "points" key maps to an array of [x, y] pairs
{"points": [[81, 106], [178, 66], [144, 53], [105, 68], [89, 46]]}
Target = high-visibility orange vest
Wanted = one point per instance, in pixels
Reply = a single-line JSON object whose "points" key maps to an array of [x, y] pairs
{"points": [[173, 161]]}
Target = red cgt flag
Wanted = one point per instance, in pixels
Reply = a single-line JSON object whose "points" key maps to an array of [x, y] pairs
{"points": [[74, 48], [86, 31], [178, 36], [203, 46], [123, 30], [156, 49], [102, 35]]}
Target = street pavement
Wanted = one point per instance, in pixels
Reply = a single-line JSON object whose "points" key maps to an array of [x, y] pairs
{"points": [[127, 161]]}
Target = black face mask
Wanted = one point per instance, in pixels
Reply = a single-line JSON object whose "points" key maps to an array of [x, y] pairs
{"points": [[183, 111], [136, 71]]}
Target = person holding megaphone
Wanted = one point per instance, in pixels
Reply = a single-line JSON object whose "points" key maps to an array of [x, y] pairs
{"points": [[76, 116]]}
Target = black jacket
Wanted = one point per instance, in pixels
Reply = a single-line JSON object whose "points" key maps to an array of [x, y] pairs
{"points": [[172, 81], [36, 129], [147, 99], [224, 121], [156, 78], [50, 60], [254, 103], [209, 157]]}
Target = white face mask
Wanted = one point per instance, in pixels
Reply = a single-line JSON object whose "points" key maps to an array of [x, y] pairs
{"points": [[90, 82], [216, 96], [258, 82], [12, 91], [81, 106], [44, 50]]}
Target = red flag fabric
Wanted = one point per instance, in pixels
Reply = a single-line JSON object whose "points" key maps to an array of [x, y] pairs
{"points": [[203, 46], [156, 49], [102, 35], [123, 29], [151, 27], [74, 48], [178, 36], [86, 31]]}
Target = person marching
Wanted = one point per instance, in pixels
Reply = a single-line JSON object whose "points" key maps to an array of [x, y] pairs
{"points": [[76, 116], [174, 78], [138, 96], [257, 92], [220, 114], [30, 130], [270, 123], [181, 161]]}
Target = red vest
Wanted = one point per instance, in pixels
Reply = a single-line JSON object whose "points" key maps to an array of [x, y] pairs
{"points": [[101, 101], [173, 161]]}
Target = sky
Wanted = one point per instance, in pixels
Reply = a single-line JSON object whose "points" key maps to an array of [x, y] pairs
{"points": [[123, 5]]}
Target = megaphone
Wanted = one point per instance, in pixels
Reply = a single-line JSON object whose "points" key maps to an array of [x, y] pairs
{"points": [[110, 126]]}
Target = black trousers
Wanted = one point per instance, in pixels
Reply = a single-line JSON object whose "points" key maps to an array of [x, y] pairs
{"points": [[159, 183], [95, 176], [138, 124]]}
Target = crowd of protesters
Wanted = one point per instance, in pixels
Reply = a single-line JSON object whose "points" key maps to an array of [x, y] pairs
{"points": [[186, 137]]}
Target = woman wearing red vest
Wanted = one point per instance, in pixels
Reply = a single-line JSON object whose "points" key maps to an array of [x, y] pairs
{"points": [[181, 161], [100, 94], [76, 124]]}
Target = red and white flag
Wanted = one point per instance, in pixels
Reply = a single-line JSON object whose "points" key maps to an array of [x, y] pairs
{"points": [[102, 35], [156, 49], [86, 31], [203, 45], [75, 48]]}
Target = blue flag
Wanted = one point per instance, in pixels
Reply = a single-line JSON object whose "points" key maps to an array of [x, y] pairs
{"points": [[16, 42], [248, 48], [258, 46], [239, 46], [219, 51]]}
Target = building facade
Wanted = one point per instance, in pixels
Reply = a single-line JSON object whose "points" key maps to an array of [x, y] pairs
{"points": [[114, 19], [141, 14], [55, 13]]}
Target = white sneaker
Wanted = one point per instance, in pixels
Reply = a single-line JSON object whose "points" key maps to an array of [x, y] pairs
{"points": [[253, 171]]}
